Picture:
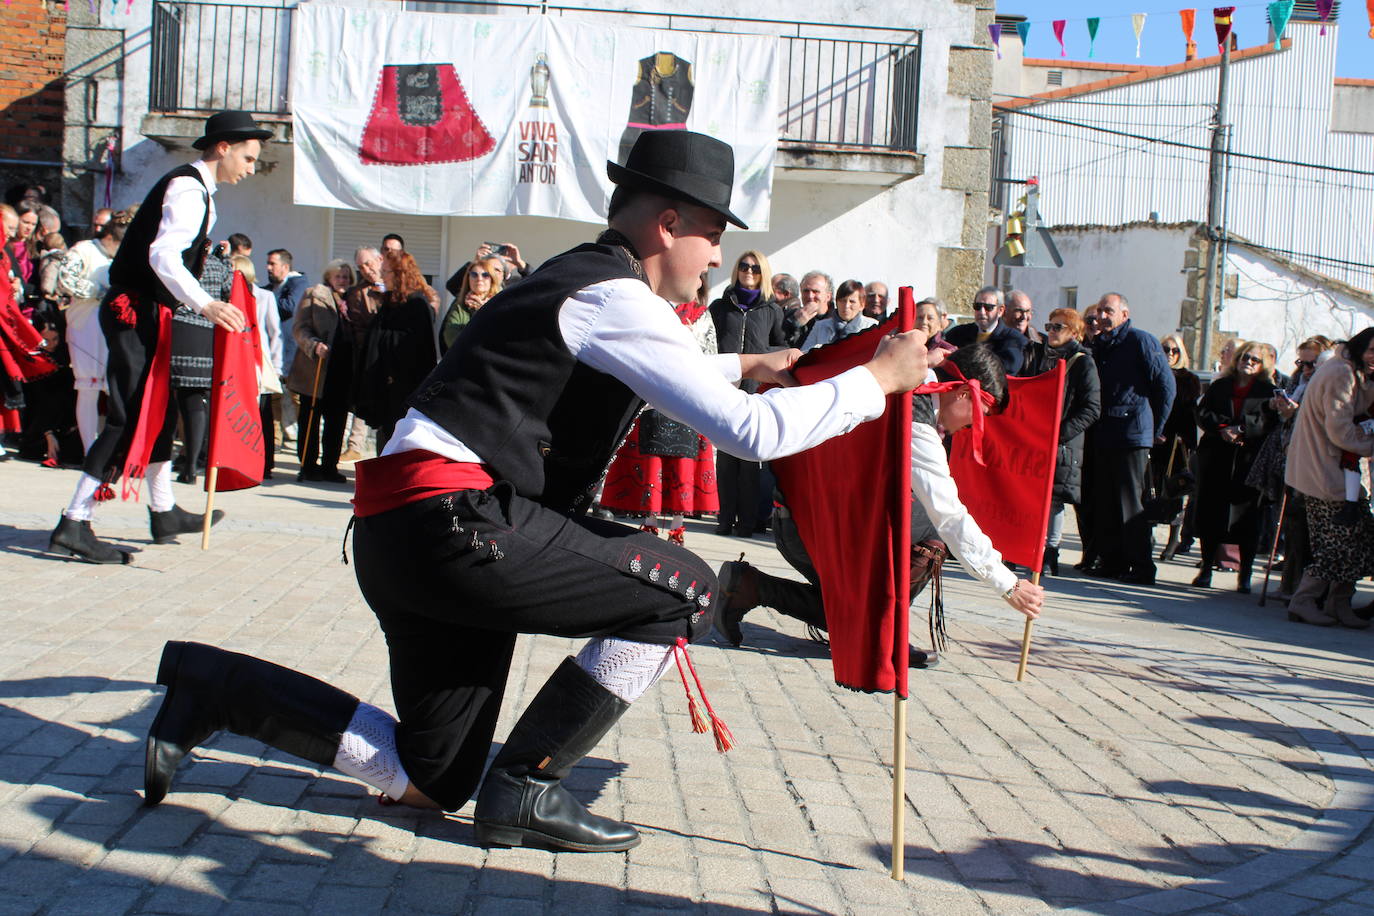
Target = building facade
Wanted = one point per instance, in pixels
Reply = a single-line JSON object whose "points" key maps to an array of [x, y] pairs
{"points": [[1125, 155], [897, 192]]}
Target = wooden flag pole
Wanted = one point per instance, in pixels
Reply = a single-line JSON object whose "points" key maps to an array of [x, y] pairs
{"points": [[1026, 636], [210, 481], [898, 787]]}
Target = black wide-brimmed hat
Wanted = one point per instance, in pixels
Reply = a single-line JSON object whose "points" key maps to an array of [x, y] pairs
{"points": [[681, 165], [231, 127]]}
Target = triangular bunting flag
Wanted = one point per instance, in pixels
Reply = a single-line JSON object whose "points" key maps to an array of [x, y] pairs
{"points": [[1023, 32], [1093, 23], [1279, 14], [1324, 11], [995, 30], [1186, 18], [1138, 24], [1059, 35], [1221, 17]]}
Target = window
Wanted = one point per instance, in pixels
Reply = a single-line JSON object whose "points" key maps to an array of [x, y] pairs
{"points": [[1054, 78], [1068, 297]]}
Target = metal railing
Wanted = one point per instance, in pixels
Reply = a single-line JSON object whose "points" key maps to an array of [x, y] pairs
{"points": [[834, 92]]}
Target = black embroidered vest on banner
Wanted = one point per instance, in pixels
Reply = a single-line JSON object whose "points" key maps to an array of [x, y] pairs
{"points": [[510, 390], [130, 269]]}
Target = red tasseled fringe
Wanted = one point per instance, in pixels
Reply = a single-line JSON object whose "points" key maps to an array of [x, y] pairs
{"points": [[719, 730], [104, 493]]}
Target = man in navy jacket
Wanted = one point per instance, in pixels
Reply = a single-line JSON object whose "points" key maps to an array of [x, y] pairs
{"points": [[1008, 343], [1137, 394]]}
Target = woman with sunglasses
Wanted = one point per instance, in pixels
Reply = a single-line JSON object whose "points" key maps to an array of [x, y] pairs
{"points": [[1063, 342], [1236, 415], [483, 279], [1170, 457], [747, 320]]}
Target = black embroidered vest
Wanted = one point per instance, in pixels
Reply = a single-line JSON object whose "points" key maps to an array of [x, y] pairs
{"points": [[130, 269], [510, 390]]}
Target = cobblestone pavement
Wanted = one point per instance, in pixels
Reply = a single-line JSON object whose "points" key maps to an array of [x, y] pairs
{"points": [[1171, 750]]}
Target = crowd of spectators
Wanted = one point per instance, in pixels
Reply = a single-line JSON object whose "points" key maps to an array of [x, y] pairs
{"points": [[1241, 462]]}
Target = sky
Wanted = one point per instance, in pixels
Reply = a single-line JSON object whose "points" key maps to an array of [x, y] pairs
{"points": [[1162, 40]]}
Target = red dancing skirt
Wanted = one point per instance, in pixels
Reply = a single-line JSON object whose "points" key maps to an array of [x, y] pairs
{"points": [[640, 484]]}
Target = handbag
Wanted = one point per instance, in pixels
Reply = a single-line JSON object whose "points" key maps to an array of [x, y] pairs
{"points": [[664, 437]]}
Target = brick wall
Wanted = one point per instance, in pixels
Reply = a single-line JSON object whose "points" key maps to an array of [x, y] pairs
{"points": [[32, 46]]}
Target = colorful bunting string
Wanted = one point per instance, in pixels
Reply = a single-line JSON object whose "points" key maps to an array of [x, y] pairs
{"points": [[1279, 13], [995, 30], [1138, 24], [1093, 23], [1059, 36]]}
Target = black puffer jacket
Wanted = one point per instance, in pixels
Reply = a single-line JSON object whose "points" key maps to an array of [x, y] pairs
{"points": [[1082, 406], [753, 330]]}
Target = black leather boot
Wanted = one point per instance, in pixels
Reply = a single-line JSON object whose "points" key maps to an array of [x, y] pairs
{"points": [[739, 586], [176, 520], [209, 689], [76, 539], [522, 801], [1050, 563]]}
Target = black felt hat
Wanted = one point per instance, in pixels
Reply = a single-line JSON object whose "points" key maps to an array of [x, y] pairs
{"points": [[231, 127], [681, 165]]}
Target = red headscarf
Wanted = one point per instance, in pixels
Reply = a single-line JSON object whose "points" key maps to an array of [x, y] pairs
{"points": [[979, 395]]}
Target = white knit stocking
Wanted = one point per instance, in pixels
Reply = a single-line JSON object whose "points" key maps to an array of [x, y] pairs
{"points": [[368, 752], [82, 506], [625, 668], [160, 498]]}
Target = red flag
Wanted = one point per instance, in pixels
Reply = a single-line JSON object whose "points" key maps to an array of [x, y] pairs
{"points": [[1010, 498], [236, 446], [152, 409], [851, 500]]}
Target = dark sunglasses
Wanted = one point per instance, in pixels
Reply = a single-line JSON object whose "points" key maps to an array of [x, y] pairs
{"points": [[1052, 326], [1172, 350], [984, 306], [751, 268], [478, 274], [1306, 364], [1250, 358]]}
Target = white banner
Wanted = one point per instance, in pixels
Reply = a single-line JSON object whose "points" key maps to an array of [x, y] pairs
{"points": [[461, 115]]}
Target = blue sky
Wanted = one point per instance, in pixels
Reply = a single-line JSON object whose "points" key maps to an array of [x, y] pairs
{"points": [[1162, 40]]}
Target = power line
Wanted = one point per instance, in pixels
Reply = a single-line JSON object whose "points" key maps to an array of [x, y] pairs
{"points": [[1182, 145]]}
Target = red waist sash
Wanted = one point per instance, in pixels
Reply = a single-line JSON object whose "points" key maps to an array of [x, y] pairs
{"points": [[397, 480]]}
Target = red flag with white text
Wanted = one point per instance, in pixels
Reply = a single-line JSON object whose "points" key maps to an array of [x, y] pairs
{"points": [[1010, 497], [850, 498], [236, 441]]}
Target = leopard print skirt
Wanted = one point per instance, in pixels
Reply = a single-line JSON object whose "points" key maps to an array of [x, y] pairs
{"points": [[1340, 553]]}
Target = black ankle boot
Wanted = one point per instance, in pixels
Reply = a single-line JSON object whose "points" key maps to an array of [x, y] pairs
{"points": [[209, 689], [522, 801], [176, 520], [1051, 561], [738, 586], [76, 539]]}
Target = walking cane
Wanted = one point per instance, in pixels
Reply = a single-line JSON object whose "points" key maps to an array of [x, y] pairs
{"points": [[314, 406], [1274, 548]]}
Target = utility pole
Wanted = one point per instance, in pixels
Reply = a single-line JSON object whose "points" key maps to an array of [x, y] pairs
{"points": [[1216, 210]]}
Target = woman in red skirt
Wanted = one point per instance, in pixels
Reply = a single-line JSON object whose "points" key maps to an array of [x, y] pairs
{"points": [[666, 470]]}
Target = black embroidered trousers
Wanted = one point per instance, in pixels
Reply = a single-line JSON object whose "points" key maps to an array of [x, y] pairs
{"points": [[453, 579]]}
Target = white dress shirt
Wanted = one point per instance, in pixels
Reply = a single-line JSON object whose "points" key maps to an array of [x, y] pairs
{"points": [[934, 488], [622, 328], [183, 208]]}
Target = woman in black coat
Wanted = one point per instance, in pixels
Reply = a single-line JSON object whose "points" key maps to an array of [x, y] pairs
{"points": [[1236, 415], [747, 321], [400, 348], [1082, 404], [1170, 458]]}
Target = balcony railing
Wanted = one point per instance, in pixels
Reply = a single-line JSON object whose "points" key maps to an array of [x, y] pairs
{"points": [[835, 91]]}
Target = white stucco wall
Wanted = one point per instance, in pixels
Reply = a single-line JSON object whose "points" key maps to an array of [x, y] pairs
{"points": [[1142, 263], [1280, 306], [848, 230]]}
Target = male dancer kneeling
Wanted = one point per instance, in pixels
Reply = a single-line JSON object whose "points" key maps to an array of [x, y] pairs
{"points": [[472, 527], [937, 512]]}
